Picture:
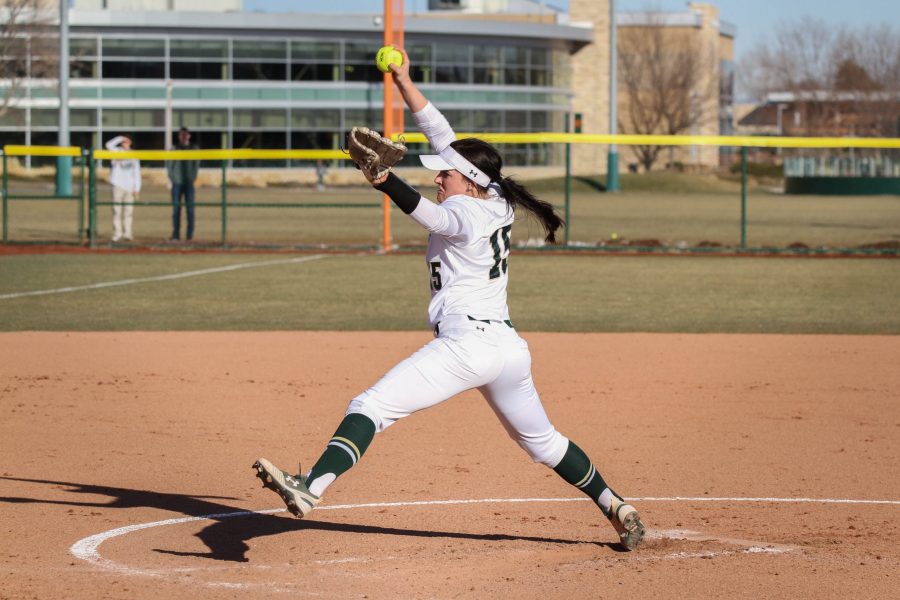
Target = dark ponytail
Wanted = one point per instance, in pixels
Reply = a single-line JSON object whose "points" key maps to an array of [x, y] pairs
{"points": [[516, 195], [485, 157]]}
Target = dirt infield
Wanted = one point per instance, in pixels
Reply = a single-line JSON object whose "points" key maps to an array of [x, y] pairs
{"points": [[744, 454]]}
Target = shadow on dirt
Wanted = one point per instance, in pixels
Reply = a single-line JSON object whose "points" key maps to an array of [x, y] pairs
{"points": [[232, 527]]}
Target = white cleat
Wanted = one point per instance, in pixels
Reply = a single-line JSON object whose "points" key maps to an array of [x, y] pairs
{"points": [[627, 523], [292, 488]]}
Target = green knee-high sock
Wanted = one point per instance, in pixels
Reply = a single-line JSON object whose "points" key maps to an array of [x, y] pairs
{"points": [[345, 447], [577, 469]]}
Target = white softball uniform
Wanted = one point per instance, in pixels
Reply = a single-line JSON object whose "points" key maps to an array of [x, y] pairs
{"points": [[475, 345], [125, 177], [125, 174]]}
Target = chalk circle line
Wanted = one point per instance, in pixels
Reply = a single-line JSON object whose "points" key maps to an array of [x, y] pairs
{"points": [[87, 549]]}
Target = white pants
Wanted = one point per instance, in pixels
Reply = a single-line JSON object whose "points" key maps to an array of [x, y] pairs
{"points": [[469, 354], [122, 209]]}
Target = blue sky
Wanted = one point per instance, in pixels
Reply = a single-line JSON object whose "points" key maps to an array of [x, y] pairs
{"points": [[754, 19]]}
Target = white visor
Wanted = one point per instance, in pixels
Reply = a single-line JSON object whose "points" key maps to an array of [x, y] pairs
{"points": [[451, 160]]}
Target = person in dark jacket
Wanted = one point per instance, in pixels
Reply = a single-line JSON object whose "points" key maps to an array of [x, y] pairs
{"points": [[182, 174]]}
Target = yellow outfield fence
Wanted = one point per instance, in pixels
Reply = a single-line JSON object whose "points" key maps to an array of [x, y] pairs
{"points": [[162, 155], [13, 150], [89, 199], [737, 141], [88, 195], [59, 151], [224, 154]]}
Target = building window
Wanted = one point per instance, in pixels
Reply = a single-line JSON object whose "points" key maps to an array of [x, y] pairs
{"points": [[82, 47], [126, 119], [516, 121], [134, 48], [372, 118], [315, 72], [314, 118], [198, 49], [421, 56], [265, 71], [132, 69], [488, 67], [540, 68], [515, 65], [13, 117], [461, 120], [199, 119], [129, 58], [272, 140], [83, 69], [313, 140], [83, 118], [315, 61], [487, 120], [198, 70], [83, 63], [452, 63], [266, 60], [260, 119], [358, 62]]}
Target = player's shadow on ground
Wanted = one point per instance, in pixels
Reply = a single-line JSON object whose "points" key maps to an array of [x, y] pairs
{"points": [[227, 540], [591, 183], [232, 527]]}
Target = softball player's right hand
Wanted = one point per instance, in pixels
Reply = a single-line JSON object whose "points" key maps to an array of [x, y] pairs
{"points": [[400, 72]]}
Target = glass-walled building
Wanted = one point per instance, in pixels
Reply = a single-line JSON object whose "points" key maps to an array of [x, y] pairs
{"points": [[297, 81]]}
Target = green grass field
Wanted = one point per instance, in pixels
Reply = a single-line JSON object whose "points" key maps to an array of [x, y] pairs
{"points": [[548, 292], [678, 210]]}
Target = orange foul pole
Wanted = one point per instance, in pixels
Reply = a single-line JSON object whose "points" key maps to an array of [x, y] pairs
{"points": [[393, 106]]}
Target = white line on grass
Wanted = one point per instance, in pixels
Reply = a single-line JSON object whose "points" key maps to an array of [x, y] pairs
{"points": [[185, 274]]}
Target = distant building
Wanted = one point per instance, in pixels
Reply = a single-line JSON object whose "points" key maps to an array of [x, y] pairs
{"points": [[172, 5], [265, 80], [483, 7], [828, 114], [299, 80], [698, 29]]}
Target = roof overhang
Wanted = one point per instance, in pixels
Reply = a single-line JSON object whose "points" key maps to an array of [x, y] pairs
{"points": [[294, 24]]}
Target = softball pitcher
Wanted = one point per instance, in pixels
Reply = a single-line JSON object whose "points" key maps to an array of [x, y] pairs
{"points": [[475, 343]]}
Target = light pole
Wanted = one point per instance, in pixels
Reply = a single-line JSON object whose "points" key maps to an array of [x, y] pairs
{"points": [[612, 158], [63, 163]]}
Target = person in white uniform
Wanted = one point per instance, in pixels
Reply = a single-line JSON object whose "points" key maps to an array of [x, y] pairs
{"points": [[475, 344], [125, 177]]}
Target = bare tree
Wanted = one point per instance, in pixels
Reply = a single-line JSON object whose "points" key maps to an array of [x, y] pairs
{"points": [[866, 80], [844, 79], [668, 83], [28, 47]]}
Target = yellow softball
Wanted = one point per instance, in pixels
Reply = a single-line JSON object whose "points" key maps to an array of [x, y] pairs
{"points": [[387, 55]]}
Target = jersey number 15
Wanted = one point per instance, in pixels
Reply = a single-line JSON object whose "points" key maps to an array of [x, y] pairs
{"points": [[500, 244]]}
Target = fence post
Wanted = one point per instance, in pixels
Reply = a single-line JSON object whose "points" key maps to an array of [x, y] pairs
{"points": [[224, 201], [84, 159], [5, 194], [92, 198], [743, 196]]}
